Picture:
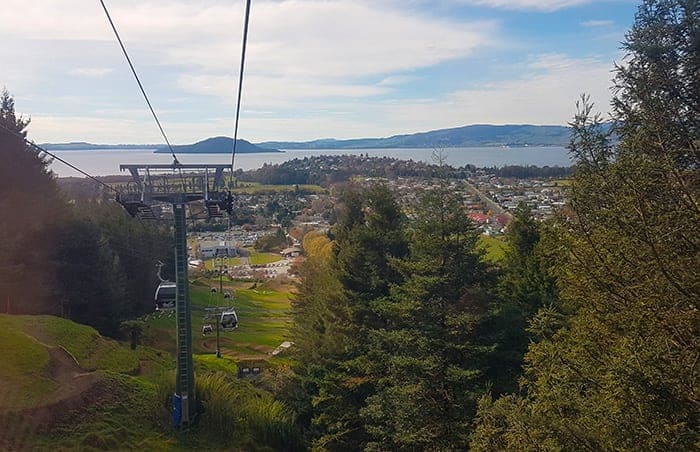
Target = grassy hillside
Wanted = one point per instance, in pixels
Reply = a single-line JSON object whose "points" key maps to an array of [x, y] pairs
{"points": [[263, 315], [65, 387], [24, 374]]}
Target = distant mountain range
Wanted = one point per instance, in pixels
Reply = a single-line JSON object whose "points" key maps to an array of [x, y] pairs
{"points": [[466, 136]]}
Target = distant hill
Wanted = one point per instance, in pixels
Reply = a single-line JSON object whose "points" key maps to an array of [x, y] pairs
{"points": [[217, 145], [466, 136]]}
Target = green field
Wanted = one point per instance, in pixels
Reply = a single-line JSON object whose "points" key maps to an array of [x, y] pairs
{"points": [[494, 248], [24, 373], [255, 188], [44, 406], [263, 319], [258, 258]]}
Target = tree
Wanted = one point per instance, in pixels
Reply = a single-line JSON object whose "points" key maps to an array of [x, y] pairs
{"points": [[89, 280], [619, 369], [429, 355], [134, 330], [30, 205], [525, 285], [333, 315]]}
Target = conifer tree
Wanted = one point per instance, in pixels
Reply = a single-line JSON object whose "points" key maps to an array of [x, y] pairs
{"points": [[428, 356], [334, 313], [29, 205], [525, 285]]}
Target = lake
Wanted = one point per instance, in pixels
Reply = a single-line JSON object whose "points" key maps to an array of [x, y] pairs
{"points": [[106, 162]]}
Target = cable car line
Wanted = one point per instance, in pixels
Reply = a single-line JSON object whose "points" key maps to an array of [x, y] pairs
{"points": [[143, 91], [240, 82], [55, 157]]}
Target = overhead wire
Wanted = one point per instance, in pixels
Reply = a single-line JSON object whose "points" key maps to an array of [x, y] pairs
{"points": [[138, 81], [55, 157], [238, 100], [240, 82]]}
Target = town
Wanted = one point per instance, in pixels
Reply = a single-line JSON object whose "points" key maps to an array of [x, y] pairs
{"points": [[263, 238]]}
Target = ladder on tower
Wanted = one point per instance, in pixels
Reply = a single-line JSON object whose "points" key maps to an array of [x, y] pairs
{"points": [[185, 369]]}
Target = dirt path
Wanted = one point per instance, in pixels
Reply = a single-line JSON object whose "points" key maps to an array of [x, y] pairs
{"points": [[71, 378], [76, 389]]}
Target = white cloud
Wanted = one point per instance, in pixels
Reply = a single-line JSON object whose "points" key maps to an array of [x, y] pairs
{"points": [[597, 23], [336, 38], [263, 91], [315, 68], [544, 94], [91, 71], [539, 5], [394, 80]]}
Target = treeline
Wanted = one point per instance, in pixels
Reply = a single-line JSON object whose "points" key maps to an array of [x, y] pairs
{"points": [[328, 169], [71, 253], [529, 172], [585, 337]]}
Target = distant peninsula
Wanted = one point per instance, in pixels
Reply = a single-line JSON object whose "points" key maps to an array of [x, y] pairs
{"points": [[217, 145], [466, 136]]}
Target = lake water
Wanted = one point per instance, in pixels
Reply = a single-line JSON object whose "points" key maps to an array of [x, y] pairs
{"points": [[106, 162]]}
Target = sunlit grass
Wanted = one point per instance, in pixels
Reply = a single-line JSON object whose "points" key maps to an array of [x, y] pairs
{"points": [[213, 264], [255, 188], [24, 379], [91, 350], [258, 258], [494, 248], [263, 318]]}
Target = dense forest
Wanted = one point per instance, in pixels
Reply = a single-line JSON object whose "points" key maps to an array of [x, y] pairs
{"points": [[583, 337]]}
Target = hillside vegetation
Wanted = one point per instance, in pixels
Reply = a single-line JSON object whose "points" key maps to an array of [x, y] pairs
{"points": [[64, 386]]}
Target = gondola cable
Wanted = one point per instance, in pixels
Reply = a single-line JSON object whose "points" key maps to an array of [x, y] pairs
{"points": [[55, 157], [240, 83], [176, 162]]}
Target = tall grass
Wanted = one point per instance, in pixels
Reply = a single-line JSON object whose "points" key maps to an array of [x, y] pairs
{"points": [[236, 414]]}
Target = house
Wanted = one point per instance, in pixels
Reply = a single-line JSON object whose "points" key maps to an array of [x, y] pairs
{"points": [[478, 218], [211, 249], [291, 252]]}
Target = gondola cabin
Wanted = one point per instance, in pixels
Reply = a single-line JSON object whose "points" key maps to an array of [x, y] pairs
{"points": [[165, 296], [229, 320]]}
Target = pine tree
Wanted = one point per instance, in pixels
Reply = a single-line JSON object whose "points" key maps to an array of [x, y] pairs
{"points": [[428, 357], [525, 285], [333, 314]]}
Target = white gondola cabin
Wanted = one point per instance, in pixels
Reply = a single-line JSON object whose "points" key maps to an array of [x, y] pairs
{"points": [[229, 320], [165, 296]]}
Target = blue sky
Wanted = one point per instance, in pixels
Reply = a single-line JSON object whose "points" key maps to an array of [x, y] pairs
{"points": [[315, 68]]}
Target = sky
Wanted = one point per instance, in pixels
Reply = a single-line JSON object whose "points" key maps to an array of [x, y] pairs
{"points": [[314, 68]]}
